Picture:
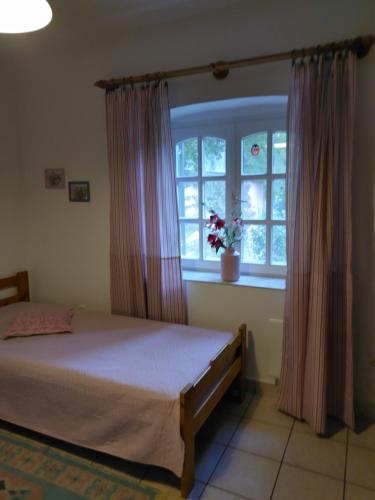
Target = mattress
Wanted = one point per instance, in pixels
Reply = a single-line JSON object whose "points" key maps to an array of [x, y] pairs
{"points": [[113, 385]]}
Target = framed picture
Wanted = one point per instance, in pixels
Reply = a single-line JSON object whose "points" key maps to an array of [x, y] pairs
{"points": [[54, 178], [79, 191]]}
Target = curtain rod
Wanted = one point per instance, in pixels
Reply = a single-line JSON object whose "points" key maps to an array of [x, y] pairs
{"points": [[360, 45]]}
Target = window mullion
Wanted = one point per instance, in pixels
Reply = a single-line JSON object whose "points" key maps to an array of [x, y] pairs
{"points": [[200, 188], [269, 188]]}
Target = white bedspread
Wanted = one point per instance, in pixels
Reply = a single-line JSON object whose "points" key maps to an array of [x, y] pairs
{"points": [[113, 385]]}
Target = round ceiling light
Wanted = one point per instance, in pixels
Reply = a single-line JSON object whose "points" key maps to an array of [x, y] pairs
{"points": [[22, 16]]}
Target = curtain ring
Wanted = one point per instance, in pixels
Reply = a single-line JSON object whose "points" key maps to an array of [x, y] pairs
{"points": [[157, 80], [294, 57], [318, 53]]}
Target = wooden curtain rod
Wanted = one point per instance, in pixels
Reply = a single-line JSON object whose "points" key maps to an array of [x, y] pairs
{"points": [[220, 69]]}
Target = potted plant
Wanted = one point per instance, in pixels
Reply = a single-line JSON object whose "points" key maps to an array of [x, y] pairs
{"points": [[226, 235]]}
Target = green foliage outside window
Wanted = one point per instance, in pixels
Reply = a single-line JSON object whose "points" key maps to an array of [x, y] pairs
{"points": [[187, 158], [278, 252]]}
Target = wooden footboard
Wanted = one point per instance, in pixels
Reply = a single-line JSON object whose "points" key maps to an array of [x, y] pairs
{"points": [[198, 400]]}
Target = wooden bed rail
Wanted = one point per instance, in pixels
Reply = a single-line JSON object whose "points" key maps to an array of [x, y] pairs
{"points": [[198, 400], [19, 281]]}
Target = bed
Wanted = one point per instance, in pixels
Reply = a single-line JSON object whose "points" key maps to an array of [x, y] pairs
{"points": [[133, 388]]}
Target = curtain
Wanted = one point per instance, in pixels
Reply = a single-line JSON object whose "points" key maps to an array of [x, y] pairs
{"points": [[145, 263], [317, 362]]}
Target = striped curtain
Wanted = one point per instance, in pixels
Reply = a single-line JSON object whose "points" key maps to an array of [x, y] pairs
{"points": [[145, 260], [317, 366]]}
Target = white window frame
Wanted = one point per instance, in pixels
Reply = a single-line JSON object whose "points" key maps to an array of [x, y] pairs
{"points": [[233, 131]]}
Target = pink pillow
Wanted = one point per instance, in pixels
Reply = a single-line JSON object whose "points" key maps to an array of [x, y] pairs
{"points": [[41, 320]]}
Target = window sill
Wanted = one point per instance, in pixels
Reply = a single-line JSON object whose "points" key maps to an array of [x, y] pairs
{"points": [[245, 280]]}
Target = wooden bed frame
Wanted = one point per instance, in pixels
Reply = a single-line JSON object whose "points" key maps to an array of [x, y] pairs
{"points": [[198, 399]]}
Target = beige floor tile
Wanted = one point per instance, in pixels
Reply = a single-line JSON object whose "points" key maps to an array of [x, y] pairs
{"points": [[245, 474], [360, 467], [298, 484], [316, 454], [267, 390], [264, 409], [231, 406], [212, 493], [365, 438], [195, 493], [261, 438], [335, 430], [208, 455], [219, 428], [353, 492], [168, 484]]}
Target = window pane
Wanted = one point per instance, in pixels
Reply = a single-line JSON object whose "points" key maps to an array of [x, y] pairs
{"points": [[254, 154], [188, 200], [254, 244], [279, 152], [208, 252], [278, 246], [187, 158], [254, 199], [189, 234], [214, 198], [213, 156], [278, 207]]}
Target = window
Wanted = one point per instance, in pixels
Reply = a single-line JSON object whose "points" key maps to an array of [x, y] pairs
{"points": [[237, 167]]}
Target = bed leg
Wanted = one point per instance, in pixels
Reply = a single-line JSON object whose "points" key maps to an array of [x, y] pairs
{"points": [[188, 434], [187, 479], [242, 375]]}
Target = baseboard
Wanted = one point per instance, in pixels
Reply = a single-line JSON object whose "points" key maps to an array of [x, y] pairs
{"points": [[261, 387]]}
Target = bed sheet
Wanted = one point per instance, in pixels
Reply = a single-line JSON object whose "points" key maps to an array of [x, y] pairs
{"points": [[113, 385]]}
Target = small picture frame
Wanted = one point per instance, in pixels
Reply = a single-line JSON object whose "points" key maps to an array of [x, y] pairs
{"points": [[54, 178], [79, 191]]}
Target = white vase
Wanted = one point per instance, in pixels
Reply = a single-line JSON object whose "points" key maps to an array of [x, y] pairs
{"points": [[230, 265]]}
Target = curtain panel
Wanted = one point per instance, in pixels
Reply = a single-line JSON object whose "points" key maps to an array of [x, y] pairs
{"points": [[317, 364], [145, 262]]}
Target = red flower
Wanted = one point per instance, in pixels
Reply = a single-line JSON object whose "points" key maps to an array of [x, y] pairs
{"points": [[217, 244], [220, 223], [212, 238], [213, 218]]}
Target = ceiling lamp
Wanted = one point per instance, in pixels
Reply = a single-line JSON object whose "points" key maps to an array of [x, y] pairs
{"points": [[22, 16]]}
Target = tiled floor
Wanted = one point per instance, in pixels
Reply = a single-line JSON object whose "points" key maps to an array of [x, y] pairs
{"points": [[252, 451]]}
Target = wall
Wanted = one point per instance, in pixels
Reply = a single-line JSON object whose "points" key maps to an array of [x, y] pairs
{"points": [[227, 306], [11, 202], [364, 238], [62, 124]]}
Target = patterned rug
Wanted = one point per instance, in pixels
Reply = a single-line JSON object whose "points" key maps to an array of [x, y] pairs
{"points": [[29, 471]]}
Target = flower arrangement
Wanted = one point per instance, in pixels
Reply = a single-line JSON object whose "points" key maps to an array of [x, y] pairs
{"points": [[222, 234]]}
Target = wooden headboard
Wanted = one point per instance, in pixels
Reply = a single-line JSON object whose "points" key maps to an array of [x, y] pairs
{"points": [[19, 281]]}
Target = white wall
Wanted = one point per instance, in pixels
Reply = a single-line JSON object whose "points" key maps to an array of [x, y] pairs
{"points": [[11, 186], [227, 306], [364, 238], [62, 123]]}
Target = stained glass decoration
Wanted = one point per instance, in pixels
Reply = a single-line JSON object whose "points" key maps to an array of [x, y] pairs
{"points": [[255, 149]]}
